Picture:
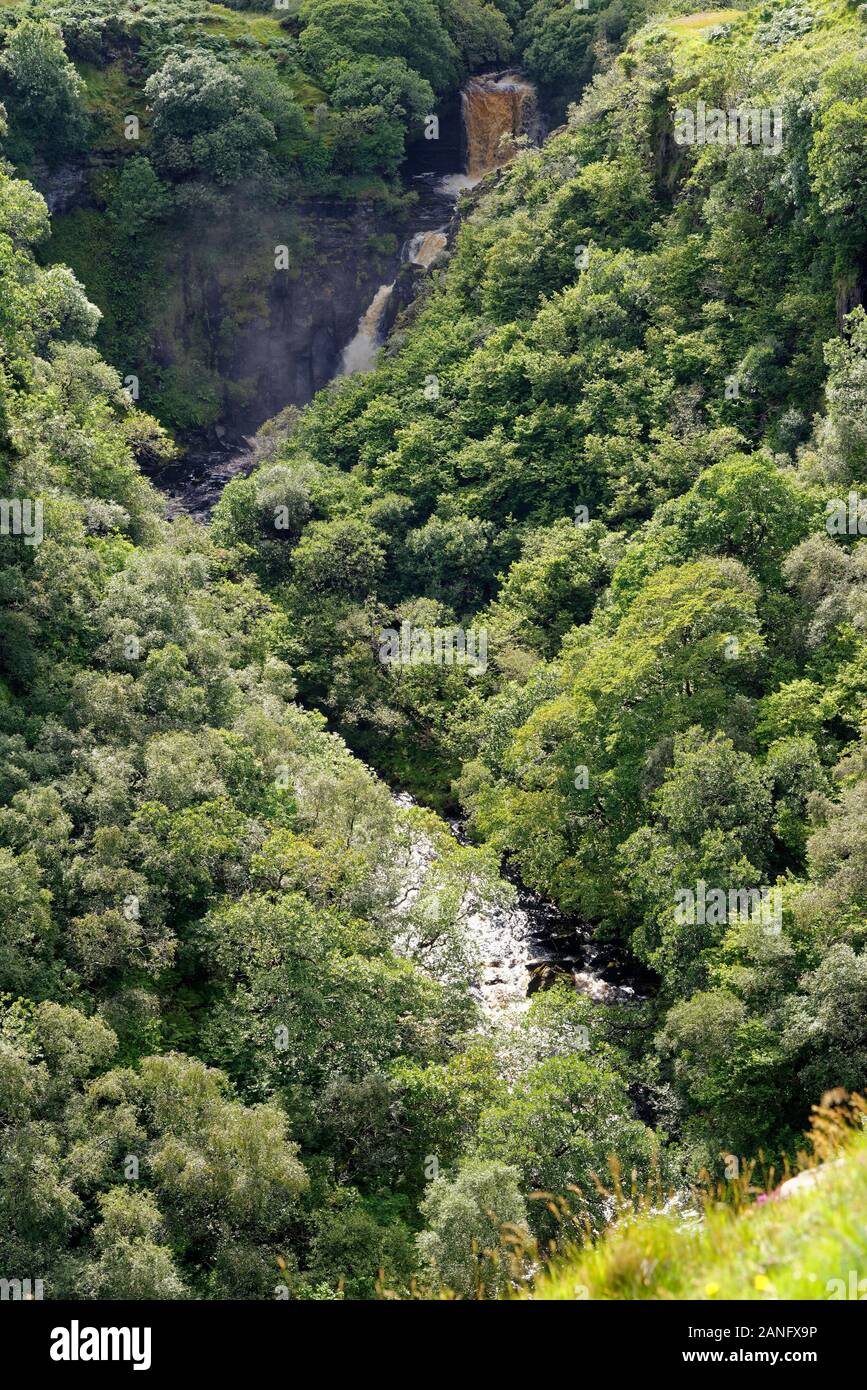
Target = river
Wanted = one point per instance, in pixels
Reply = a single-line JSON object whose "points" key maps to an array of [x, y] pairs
{"points": [[529, 944], [532, 944]]}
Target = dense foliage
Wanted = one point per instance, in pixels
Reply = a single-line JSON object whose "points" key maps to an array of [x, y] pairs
{"points": [[238, 1053], [613, 437]]}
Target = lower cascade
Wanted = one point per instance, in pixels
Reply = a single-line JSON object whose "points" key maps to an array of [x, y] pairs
{"points": [[359, 355]]}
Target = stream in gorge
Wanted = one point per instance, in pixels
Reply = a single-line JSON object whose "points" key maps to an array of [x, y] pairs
{"points": [[527, 945]]}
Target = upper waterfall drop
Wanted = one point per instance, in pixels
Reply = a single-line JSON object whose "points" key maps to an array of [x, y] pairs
{"points": [[496, 108]]}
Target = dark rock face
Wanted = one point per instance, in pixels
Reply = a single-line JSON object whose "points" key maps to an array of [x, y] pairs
{"points": [[222, 322], [294, 344], [275, 337], [63, 187], [294, 347], [292, 352], [270, 336], [446, 153]]}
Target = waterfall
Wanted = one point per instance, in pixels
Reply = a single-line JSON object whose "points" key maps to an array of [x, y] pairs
{"points": [[496, 108], [359, 355], [424, 247]]}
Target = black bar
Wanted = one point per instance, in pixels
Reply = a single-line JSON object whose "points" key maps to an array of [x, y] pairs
{"points": [[249, 1339]]}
